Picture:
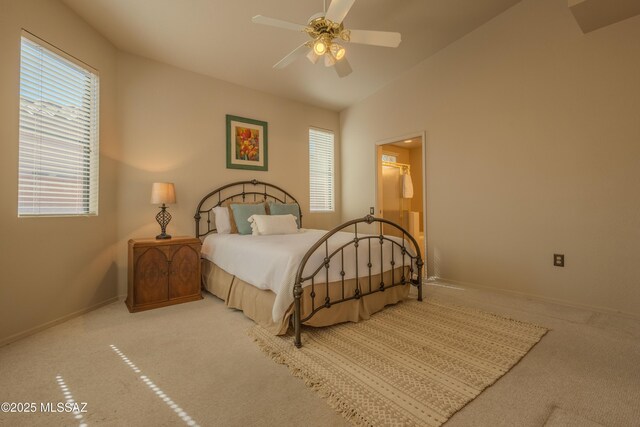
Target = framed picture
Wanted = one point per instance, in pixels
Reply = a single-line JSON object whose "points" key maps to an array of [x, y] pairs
{"points": [[246, 144]]}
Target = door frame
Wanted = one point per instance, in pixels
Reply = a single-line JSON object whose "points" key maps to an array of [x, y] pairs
{"points": [[423, 135]]}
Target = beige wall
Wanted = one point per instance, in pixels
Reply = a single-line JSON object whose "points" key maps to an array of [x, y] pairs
{"points": [[533, 144], [53, 267], [173, 129]]}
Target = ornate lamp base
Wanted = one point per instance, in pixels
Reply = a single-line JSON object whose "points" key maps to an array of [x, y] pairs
{"points": [[163, 217]]}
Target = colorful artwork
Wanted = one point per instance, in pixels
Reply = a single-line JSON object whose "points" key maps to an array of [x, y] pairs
{"points": [[246, 143]]}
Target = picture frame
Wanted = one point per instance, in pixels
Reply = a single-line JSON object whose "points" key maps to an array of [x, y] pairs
{"points": [[247, 144]]}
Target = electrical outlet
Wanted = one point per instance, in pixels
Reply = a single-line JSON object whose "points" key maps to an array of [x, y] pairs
{"points": [[558, 260], [372, 210]]}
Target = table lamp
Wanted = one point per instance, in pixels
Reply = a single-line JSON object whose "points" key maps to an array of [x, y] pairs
{"points": [[165, 193]]}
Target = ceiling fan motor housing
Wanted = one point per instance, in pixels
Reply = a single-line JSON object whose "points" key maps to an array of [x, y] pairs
{"points": [[319, 27]]}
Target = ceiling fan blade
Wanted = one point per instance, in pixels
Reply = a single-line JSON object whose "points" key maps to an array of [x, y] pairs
{"points": [[292, 56], [338, 9], [375, 38], [343, 68], [265, 20]]}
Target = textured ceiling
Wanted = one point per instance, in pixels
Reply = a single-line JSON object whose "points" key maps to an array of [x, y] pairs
{"points": [[218, 39]]}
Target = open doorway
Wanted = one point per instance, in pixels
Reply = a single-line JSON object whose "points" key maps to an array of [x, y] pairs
{"points": [[400, 185]]}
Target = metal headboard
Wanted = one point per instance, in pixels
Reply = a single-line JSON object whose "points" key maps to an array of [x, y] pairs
{"points": [[241, 191]]}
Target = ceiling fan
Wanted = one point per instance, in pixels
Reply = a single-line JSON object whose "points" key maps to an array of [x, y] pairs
{"points": [[325, 28]]}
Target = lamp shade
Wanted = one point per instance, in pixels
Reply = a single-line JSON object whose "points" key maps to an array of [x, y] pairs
{"points": [[163, 193]]}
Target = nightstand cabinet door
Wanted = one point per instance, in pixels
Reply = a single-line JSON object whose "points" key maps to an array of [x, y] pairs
{"points": [[184, 273], [151, 277], [163, 272]]}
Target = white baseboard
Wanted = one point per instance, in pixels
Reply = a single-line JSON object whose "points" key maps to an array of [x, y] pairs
{"points": [[57, 321], [542, 298]]}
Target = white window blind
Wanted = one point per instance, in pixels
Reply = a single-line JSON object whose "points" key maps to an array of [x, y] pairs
{"points": [[321, 171], [58, 153]]}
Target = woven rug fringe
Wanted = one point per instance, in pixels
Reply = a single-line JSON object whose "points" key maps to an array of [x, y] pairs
{"points": [[335, 401]]}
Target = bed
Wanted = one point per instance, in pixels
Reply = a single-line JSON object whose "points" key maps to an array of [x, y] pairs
{"points": [[311, 277]]}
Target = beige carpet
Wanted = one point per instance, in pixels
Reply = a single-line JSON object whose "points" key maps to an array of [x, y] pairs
{"points": [[412, 364], [200, 356], [561, 418]]}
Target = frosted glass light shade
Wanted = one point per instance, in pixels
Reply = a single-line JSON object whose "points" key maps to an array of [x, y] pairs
{"points": [[311, 56], [163, 193], [329, 61], [337, 51]]}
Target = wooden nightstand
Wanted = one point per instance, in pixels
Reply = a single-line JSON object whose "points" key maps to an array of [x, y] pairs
{"points": [[163, 272]]}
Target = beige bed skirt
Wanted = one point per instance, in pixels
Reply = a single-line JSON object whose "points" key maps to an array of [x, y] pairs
{"points": [[258, 303]]}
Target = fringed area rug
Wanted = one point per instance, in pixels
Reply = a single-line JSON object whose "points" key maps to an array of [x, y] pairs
{"points": [[412, 364]]}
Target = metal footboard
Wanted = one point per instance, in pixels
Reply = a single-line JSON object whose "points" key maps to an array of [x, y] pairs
{"points": [[362, 246]]}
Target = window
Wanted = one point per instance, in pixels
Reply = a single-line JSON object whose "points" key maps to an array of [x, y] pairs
{"points": [[321, 170], [58, 147]]}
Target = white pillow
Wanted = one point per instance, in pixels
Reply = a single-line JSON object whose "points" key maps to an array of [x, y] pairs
{"points": [[223, 222], [262, 225]]}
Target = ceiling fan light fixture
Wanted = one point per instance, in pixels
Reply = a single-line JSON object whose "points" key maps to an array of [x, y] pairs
{"points": [[337, 51], [320, 46], [326, 28]]}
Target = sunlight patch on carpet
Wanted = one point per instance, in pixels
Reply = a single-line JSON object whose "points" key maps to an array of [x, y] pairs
{"points": [[160, 394], [70, 402], [413, 364]]}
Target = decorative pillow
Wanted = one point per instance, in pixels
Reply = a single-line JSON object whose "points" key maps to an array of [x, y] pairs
{"points": [[285, 209], [263, 225], [222, 219], [228, 203], [241, 214]]}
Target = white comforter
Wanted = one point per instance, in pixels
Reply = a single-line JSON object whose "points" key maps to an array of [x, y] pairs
{"points": [[271, 262]]}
